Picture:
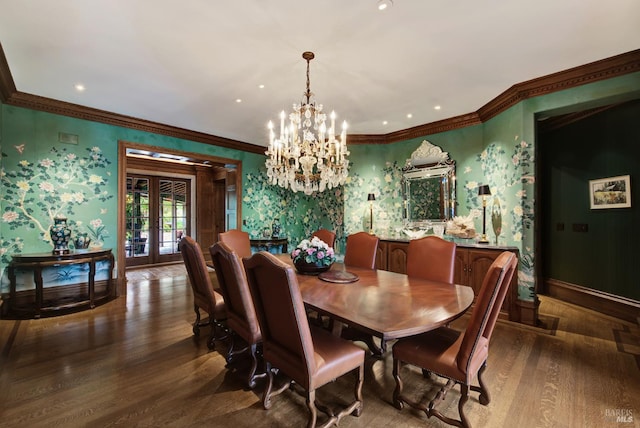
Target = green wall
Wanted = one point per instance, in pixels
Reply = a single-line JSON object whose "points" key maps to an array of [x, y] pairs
{"points": [[498, 152], [600, 146], [43, 177]]}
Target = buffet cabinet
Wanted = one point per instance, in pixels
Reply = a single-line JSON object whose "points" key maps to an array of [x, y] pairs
{"points": [[471, 265]]}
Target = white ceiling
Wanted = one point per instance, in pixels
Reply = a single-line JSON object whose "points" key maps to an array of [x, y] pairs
{"points": [[185, 63]]}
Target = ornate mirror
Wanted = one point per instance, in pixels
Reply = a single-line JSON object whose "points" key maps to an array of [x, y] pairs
{"points": [[429, 187]]}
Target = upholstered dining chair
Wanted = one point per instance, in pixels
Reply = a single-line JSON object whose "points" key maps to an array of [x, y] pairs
{"points": [[431, 258], [327, 236], [311, 357], [238, 241], [241, 314], [204, 295], [361, 250], [457, 356]]}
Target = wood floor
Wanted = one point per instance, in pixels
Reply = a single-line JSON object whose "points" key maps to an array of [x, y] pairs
{"points": [[133, 362]]}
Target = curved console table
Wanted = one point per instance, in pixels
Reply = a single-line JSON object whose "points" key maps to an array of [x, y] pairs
{"points": [[38, 261], [268, 243]]}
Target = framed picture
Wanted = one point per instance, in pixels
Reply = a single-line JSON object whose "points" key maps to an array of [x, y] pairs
{"points": [[611, 192]]}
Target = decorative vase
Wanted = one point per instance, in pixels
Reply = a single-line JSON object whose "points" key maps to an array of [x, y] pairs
{"points": [[496, 218], [275, 228], [82, 241], [60, 235], [310, 268]]}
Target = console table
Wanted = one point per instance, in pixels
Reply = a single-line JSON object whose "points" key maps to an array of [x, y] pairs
{"points": [[267, 243], [38, 261]]}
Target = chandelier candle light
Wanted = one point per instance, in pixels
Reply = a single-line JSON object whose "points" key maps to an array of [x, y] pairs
{"points": [[307, 156]]}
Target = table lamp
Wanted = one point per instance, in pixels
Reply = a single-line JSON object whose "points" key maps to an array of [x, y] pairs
{"points": [[371, 197], [484, 191]]}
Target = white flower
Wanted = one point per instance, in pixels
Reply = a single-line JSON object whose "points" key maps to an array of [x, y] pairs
{"points": [[46, 187]]}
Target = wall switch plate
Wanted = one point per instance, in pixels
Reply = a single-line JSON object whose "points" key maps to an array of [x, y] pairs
{"points": [[580, 227]]}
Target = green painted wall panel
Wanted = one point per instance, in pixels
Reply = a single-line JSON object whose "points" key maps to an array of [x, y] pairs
{"points": [[603, 258]]}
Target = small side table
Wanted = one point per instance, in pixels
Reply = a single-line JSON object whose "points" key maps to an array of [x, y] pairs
{"points": [[268, 243]]}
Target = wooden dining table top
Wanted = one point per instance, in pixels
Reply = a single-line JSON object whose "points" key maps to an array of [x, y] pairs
{"points": [[385, 304]]}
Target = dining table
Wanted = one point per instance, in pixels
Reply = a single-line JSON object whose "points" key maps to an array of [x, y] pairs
{"points": [[382, 304]]}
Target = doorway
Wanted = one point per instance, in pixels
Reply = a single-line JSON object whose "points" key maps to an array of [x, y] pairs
{"points": [[157, 217], [200, 199]]}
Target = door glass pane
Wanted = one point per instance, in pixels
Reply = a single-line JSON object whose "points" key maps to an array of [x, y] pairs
{"points": [[137, 217], [173, 214]]}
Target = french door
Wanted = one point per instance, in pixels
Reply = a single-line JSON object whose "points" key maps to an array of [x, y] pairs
{"points": [[158, 212]]}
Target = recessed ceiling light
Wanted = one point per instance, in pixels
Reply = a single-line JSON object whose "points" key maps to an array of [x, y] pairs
{"points": [[384, 4], [409, 116], [384, 122], [261, 86], [238, 100], [79, 87], [437, 108]]}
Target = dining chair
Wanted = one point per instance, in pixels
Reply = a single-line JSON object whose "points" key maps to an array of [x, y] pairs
{"points": [[310, 357], [327, 236], [204, 295], [457, 356], [238, 241], [431, 258], [361, 250], [241, 314]]}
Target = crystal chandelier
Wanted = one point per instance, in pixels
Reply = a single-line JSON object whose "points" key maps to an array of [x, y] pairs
{"points": [[307, 156]]}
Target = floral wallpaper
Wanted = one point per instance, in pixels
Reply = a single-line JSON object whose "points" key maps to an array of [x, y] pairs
{"points": [[384, 181], [59, 183], [298, 215], [508, 170]]}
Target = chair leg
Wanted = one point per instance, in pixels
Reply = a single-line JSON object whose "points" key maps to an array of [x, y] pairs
{"points": [[266, 397], [464, 396], [397, 392], [311, 404], [484, 398], [358, 391], [196, 324], [251, 380], [211, 343]]}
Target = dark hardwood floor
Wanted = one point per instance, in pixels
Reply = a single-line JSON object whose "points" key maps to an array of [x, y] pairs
{"points": [[134, 362]]}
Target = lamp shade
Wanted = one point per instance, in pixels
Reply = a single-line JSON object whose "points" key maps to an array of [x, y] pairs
{"points": [[372, 197], [483, 190]]}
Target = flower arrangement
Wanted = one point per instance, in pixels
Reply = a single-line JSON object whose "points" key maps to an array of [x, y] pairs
{"points": [[314, 251]]}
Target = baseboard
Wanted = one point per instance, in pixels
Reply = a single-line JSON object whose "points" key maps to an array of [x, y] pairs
{"points": [[600, 301]]}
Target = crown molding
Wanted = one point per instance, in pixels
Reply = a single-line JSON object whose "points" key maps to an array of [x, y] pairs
{"points": [[589, 73], [608, 68], [7, 86], [35, 102]]}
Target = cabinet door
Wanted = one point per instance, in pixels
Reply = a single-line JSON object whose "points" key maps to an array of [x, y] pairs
{"points": [[479, 263], [397, 258], [381, 255], [460, 275]]}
